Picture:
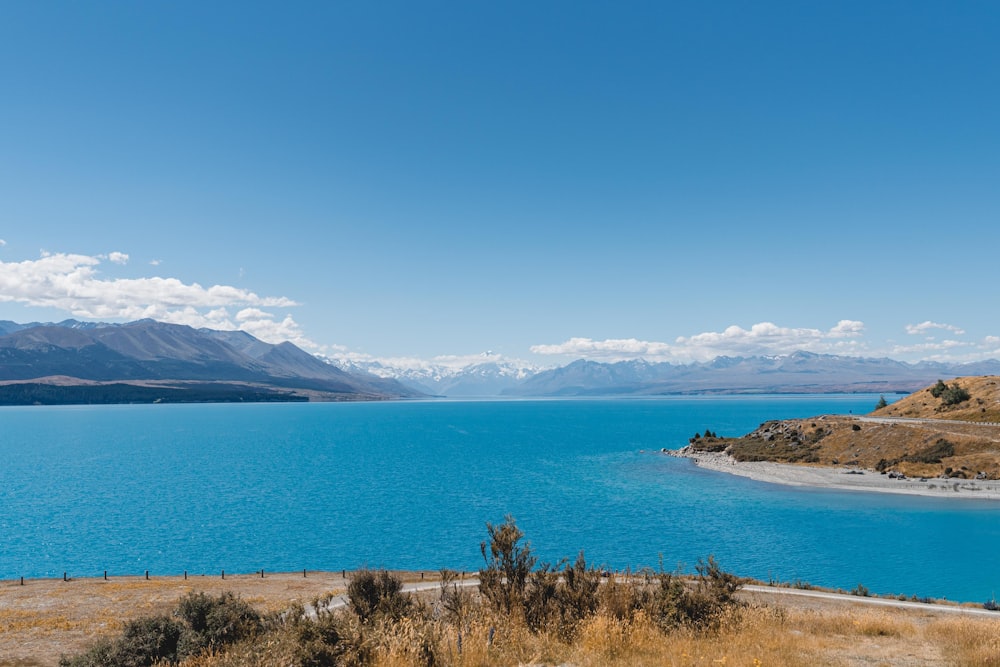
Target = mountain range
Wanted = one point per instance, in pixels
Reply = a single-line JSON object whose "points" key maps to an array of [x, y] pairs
{"points": [[182, 362], [147, 361], [487, 375], [799, 372]]}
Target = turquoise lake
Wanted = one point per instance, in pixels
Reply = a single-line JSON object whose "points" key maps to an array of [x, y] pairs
{"points": [[205, 488]]}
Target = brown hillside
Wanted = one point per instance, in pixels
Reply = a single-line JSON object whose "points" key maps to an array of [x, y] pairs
{"points": [[919, 436], [982, 406]]}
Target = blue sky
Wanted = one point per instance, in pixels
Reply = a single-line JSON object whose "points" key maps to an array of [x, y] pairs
{"points": [[547, 180]]}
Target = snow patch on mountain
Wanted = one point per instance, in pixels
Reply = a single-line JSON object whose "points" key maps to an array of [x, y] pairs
{"points": [[486, 374]]}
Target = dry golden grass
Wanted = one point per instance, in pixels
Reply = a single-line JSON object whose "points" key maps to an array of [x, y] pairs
{"points": [[984, 404], [40, 622], [971, 643], [843, 634], [46, 618]]}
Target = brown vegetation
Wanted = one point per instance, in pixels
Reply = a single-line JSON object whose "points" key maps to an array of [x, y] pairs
{"points": [[793, 631], [958, 440], [983, 404]]}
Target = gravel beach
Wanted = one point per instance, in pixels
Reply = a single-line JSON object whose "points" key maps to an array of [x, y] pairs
{"points": [[842, 478]]}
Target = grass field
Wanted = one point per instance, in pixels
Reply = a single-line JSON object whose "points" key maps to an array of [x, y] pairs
{"points": [[43, 620]]}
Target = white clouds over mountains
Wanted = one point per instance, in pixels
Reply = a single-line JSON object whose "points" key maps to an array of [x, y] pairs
{"points": [[846, 338], [73, 283], [763, 338], [946, 349]]}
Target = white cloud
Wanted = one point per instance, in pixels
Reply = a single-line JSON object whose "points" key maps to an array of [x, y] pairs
{"points": [[610, 348], [764, 338], [2, 243], [768, 338], [847, 329], [155, 262], [924, 327], [931, 346], [73, 283], [264, 326]]}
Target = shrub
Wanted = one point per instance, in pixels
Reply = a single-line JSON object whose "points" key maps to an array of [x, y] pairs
{"points": [[671, 603], [102, 654], [377, 594], [881, 402], [933, 454], [554, 598], [205, 623], [503, 581], [455, 602], [320, 642], [215, 621], [541, 606], [954, 395], [938, 389], [144, 642], [578, 593], [560, 600]]}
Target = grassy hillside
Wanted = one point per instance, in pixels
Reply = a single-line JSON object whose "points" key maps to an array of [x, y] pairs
{"points": [[983, 404], [922, 435]]}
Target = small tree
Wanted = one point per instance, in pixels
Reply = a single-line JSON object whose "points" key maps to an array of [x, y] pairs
{"points": [[455, 602], [377, 594], [503, 580], [938, 389], [577, 594], [954, 395], [881, 402]]}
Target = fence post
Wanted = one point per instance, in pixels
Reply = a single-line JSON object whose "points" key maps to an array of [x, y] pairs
{"points": [[223, 574]]}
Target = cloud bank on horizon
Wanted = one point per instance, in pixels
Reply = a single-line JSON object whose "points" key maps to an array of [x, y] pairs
{"points": [[74, 283], [767, 338]]}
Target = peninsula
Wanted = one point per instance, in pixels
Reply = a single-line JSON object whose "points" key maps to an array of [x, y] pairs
{"points": [[943, 440]]}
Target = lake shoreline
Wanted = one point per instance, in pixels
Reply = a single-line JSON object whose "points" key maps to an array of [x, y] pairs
{"points": [[840, 478]]}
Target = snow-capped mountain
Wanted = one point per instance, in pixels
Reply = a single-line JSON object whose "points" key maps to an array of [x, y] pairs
{"points": [[487, 374], [799, 372]]}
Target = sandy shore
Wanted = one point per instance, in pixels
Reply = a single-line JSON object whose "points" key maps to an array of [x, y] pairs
{"points": [[844, 479]]}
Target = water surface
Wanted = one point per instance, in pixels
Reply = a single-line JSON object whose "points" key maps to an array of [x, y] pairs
{"points": [[168, 488]]}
